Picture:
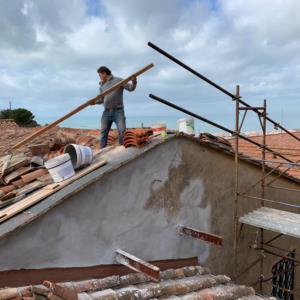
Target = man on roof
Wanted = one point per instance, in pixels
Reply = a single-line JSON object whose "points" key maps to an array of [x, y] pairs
{"points": [[113, 104]]}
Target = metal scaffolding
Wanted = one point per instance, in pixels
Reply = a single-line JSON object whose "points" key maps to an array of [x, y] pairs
{"points": [[242, 106]]}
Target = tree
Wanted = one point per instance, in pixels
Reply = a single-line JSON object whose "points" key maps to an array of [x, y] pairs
{"points": [[21, 116]]}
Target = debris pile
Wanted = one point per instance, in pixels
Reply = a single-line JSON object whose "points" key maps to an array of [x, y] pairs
{"points": [[24, 172]]}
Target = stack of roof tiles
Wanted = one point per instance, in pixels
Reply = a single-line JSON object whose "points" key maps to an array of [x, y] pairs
{"points": [[20, 178], [137, 137], [23, 173], [188, 283]]}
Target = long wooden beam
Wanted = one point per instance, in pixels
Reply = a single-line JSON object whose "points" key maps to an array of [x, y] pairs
{"points": [[82, 106]]}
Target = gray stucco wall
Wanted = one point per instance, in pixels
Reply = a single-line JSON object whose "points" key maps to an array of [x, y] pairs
{"points": [[125, 210], [137, 208]]}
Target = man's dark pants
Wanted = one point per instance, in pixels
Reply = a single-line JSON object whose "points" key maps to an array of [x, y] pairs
{"points": [[109, 116]]}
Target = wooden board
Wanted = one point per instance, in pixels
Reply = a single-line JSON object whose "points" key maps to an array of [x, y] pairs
{"points": [[45, 192]]}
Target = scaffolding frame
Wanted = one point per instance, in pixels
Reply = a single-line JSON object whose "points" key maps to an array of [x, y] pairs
{"points": [[241, 105], [262, 116]]}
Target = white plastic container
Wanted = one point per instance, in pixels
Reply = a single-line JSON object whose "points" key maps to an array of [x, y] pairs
{"points": [[158, 128], [80, 155], [186, 125], [60, 167]]}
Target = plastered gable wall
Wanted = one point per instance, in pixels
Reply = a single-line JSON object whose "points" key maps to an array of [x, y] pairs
{"points": [[137, 208]]}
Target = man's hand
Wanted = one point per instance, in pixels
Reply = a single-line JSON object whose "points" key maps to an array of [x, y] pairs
{"points": [[134, 81], [99, 101]]}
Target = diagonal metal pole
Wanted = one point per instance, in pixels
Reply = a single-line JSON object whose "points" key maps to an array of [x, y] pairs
{"points": [[216, 125], [174, 59]]}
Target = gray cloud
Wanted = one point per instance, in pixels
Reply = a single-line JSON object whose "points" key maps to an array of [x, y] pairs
{"points": [[51, 49]]}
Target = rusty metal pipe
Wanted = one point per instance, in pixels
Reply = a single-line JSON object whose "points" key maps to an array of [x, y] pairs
{"points": [[174, 59], [271, 201], [177, 61], [215, 125]]}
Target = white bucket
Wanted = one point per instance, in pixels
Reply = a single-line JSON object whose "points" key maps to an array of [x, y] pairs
{"points": [[60, 167], [186, 125], [80, 155], [159, 127]]}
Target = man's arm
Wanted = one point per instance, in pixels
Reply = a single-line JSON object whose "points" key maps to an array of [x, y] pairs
{"points": [[100, 100], [131, 86]]}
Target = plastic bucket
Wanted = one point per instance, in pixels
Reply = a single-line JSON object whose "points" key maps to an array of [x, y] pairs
{"points": [[159, 128], [60, 167], [80, 155], [186, 125]]}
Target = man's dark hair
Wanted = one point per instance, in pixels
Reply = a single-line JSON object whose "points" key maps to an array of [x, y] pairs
{"points": [[104, 69]]}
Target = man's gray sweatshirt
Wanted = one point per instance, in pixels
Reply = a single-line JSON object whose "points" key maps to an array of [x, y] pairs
{"points": [[114, 99]]}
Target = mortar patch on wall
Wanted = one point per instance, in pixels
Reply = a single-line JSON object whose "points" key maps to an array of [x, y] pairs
{"points": [[166, 195]]}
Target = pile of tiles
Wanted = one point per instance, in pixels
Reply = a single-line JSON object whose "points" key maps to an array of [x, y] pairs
{"points": [[24, 172], [188, 283], [138, 137], [20, 178]]}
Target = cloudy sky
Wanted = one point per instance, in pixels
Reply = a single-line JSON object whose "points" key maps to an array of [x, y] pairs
{"points": [[50, 51]]}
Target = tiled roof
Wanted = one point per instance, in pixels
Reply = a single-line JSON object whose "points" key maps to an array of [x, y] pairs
{"points": [[7, 124], [282, 143], [55, 138], [189, 283]]}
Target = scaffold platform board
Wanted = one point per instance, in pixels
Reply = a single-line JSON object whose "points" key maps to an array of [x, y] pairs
{"points": [[280, 221]]}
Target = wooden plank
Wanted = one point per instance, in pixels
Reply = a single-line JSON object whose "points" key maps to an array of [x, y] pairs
{"points": [[30, 187], [12, 201], [201, 235], [137, 264], [5, 164], [14, 163], [45, 192]]}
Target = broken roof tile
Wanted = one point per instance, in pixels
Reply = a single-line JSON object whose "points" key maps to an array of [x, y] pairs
{"points": [[34, 175]]}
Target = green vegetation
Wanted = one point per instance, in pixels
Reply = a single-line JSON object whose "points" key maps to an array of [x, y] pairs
{"points": [[21, 116]]}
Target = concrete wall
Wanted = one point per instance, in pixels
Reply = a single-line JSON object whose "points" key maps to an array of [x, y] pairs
{"points": [[137, 209]]}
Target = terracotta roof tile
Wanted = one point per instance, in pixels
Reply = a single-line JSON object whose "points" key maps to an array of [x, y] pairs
{"points": [[194, 282], [282, 143]]}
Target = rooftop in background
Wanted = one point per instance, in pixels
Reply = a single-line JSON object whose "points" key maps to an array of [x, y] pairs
{"points": [[279, 142]]}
